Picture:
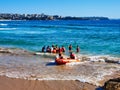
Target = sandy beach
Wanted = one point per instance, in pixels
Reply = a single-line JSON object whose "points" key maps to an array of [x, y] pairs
{"points": [[20, 84]]}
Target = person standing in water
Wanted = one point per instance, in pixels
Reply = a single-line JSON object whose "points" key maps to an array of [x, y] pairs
{"points": [[78, 49], [43, 49], [70, 48], [48, 49], [63, 49]]}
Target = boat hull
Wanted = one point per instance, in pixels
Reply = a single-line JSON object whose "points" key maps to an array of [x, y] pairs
{"points": [[64, 61]]}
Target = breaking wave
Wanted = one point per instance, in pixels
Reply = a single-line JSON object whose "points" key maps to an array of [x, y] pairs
{"points": [[8, 28]]}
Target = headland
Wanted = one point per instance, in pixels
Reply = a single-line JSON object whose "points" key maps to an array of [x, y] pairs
{"points": [[9, 16]]}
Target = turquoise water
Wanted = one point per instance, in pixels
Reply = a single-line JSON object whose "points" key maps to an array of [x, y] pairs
{"points": [[93, 37]]}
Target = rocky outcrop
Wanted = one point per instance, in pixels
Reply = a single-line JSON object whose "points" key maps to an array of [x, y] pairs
{"points": [[112, 84], [15, 51]]}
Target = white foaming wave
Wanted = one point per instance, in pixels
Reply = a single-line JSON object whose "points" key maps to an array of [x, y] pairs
{"points": [[98, 58], [82, 78], [75, 63], [46, 54], [2, 24], [104, 59], [16, 74], [94, 78], [38, 32], [8, 28]]}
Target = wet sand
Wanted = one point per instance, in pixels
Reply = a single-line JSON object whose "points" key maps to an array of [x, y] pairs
{"points": [[21, 84]]}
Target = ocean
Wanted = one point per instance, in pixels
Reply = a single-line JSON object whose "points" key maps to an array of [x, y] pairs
{"points": [[99, 37], [99, 41]]}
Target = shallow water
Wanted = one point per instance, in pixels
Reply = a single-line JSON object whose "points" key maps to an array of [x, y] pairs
{"points": [[43, 67]]}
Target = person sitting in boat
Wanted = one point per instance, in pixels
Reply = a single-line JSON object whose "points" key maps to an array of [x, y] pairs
{"points": [[72, 56], [60, 56]]}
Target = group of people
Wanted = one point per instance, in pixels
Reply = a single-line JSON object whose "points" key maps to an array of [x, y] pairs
{"points": [[72, 56], [53, 49], [77, 48], [60, 50]]}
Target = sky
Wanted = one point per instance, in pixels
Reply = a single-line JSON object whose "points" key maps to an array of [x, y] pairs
{"points": [[79, 8]]}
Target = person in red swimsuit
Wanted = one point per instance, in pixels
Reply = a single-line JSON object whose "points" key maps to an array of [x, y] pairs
{"points": [[63, 49]]}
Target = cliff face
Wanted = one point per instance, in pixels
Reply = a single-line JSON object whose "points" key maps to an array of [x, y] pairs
{"points": [[112, 84]]}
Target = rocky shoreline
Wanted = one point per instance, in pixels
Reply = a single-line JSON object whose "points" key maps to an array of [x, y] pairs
{"points": [[112, 84]]}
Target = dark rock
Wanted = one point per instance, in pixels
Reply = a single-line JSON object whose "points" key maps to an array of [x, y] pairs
{"points": [[112, 84], [111, 61]]}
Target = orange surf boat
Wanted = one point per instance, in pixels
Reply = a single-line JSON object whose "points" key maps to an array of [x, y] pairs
{"points": [[65, 60]]}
